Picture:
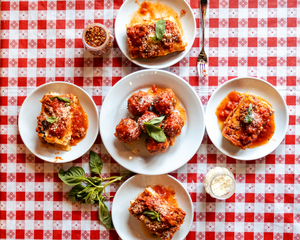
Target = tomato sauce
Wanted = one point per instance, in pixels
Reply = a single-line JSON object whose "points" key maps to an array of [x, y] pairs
{"points": [[79, 121], [166, 193], [226, 107]]}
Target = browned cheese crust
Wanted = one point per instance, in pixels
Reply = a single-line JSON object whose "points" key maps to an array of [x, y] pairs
{"points": [[236, 131]]}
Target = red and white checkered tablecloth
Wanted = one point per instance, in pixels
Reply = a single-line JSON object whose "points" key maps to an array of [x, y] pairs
{"points": [[41, 42]]}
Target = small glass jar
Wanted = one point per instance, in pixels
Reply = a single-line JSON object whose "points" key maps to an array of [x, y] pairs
{"points": [[104, 47], [219, 183]]}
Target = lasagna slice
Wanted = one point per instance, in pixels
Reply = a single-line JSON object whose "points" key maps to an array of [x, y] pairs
{"points": [[55, 125], [159, 216], [142, 44], [237, 127]]}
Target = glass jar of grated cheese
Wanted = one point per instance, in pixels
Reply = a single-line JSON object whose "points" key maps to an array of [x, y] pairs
{"points": [[219, 183]]}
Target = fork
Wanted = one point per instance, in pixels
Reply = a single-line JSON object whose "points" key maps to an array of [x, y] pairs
{"points": [[202, 58]]}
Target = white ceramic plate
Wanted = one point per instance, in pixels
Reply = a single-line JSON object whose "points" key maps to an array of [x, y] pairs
{"points": [[257, 87], [135, 157], [127, 226], [31, 108], [188, 25]]}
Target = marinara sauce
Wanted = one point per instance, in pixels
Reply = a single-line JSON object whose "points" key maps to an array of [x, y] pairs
{"points": [[229, 103], [80, 124]]}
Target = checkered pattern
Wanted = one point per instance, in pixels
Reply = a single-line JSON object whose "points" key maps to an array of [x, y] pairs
{"points": [[41, 42]]}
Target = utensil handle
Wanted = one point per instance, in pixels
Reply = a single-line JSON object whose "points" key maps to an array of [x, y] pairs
{"points": [[203, 7]]}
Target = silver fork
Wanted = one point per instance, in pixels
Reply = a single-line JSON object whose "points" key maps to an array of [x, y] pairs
{"points": [[202, 58]]}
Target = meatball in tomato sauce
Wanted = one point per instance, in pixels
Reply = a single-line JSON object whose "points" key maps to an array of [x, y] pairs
{"points": [[146, 117], [165, 101], [156, 147], [173, 124], [128, 131], [139, 102]]}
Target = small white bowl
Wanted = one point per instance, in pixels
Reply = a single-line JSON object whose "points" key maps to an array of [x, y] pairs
{"points": [[127, 226], [257, 87], [31, 108]]}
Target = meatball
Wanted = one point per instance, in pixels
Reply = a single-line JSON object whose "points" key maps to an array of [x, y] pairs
{"points": [[165, 102], [173, 124], [156, 147], [139, 102], [146, 117], [127, 131]]}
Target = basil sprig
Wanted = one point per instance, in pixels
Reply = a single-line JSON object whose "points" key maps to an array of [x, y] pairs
{"points": [[90, 189], [248, 119], [67, 100], [160, 29], [152, 214], [51, 120], [155, 132]]}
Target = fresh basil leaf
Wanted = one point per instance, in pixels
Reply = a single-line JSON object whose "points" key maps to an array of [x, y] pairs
{"points": [[104, 215], [156, 121], [73, 176], [95, 163], [248, 119], [72, 195], [155, 132], [51, 120], [67, 100], [160, 28], [67, 104], [152, 214]]}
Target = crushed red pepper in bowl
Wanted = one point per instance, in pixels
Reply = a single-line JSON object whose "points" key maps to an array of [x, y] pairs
{"points": [[97, 39], [95, 36]]}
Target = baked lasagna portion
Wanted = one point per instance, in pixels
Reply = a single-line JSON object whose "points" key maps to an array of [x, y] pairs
{"points": [[159, 216], [142, 44], [237, 127], [62, 122]]}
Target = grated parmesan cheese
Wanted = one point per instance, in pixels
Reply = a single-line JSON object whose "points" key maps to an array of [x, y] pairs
{"points": [[219, 183]]}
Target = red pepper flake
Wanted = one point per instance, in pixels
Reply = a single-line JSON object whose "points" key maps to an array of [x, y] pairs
{"points": [[95, 36], [182, 12]]}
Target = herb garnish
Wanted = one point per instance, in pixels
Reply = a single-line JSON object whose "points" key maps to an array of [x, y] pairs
{"points": [[92, 189], [160, 28], [51, 120], [248, 119], [152, 214], [67, 100], [155, 132]]}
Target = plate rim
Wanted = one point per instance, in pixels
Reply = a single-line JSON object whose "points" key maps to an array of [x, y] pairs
{"points": [[285, 109], [179, 79], [32, 93], [151, 176], [187, 50]]}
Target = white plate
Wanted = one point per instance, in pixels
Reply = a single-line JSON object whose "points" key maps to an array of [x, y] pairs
{"points": [[257, 87], [127, 226], [188, 25], [135, 157], [31, 108]]}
